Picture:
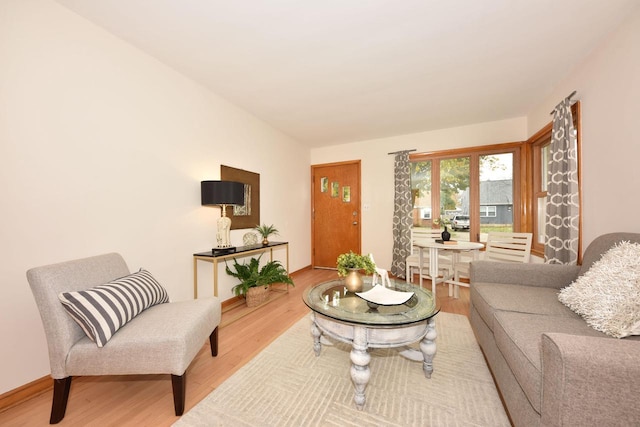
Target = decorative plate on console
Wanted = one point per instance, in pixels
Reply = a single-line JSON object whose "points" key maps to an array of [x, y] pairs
{"points": [[250, 239]]}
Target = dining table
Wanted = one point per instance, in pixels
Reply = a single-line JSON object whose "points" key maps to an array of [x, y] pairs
{"points": [[451, 247]]}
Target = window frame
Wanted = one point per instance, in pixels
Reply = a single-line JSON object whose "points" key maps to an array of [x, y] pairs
{"points": [[474, 154]]}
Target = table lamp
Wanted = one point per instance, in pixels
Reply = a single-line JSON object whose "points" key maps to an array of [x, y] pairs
{"points": [[222, 193]]}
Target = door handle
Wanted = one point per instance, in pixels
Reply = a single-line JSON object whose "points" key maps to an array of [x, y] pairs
{"points": [[355, 222]]}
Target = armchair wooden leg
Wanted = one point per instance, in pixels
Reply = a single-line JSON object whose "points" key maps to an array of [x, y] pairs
{"points": [[61, 389], [213, 340], [179, 385]]}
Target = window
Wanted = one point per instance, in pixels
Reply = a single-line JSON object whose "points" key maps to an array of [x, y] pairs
{"points": [[501, 187], [496, 192], [421, 193], [455, 179], [476, 182], [487, 211], [541, 162]]}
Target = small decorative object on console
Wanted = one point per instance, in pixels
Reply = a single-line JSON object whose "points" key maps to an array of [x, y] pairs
{"points": [[250, 239], [265, 231]]}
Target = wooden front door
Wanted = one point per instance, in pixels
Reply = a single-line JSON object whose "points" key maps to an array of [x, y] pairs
{"points": [[335, 211]]}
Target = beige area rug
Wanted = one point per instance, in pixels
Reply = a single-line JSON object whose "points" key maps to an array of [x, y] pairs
{"points": [[287, 385]]}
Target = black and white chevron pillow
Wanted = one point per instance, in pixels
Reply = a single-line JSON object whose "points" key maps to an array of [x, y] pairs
{"points": [[102, 310]]}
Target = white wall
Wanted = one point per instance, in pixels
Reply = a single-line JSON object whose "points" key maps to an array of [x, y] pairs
{"points": [[102, 148], [608, 86], [377, 171]]}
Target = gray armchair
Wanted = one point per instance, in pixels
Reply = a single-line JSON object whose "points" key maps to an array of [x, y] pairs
{"points": [[162, 339]]}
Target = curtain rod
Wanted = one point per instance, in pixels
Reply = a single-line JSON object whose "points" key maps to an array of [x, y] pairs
{"points": [[402, 151], [570, 96]]}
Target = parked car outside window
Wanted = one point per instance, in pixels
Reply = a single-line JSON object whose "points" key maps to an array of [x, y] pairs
{"points": [[460, 222]]}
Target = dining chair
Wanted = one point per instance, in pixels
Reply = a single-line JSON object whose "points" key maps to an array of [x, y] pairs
{"points": [[412, 261], [500, 247]]}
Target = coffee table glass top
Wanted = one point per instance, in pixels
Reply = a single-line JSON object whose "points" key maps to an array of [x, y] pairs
{"points": [[331, 299]]}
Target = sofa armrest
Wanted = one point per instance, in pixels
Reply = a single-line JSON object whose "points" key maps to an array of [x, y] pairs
{"points": [[545, 275], [589, 380]]}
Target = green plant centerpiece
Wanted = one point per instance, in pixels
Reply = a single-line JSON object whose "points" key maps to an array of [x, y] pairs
{"points": [[255, 280], [349, 265], [265, 231], [443, 221], [355, 261]]}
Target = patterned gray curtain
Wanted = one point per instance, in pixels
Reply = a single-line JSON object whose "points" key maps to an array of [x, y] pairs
{"points": [[562, 216], [401, 214]]}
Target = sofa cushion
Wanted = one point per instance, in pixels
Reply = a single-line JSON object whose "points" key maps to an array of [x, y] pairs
{"points": [[518, 337], [487, 298], [608, 294], [102, 310]]}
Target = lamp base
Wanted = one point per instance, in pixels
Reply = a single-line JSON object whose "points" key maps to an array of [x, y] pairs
{"points": [[223, 251]]}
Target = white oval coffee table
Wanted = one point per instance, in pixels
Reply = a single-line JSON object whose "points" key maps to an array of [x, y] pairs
{"points": [[351, 319]]}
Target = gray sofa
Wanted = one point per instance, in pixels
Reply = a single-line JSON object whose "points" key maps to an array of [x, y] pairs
{"points": [[552, 368]]}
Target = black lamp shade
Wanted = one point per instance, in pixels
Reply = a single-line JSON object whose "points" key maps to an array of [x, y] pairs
{"points": [[222, 193]]}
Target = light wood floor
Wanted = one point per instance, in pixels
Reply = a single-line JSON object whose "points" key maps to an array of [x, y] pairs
{"points": [[148, 400]]}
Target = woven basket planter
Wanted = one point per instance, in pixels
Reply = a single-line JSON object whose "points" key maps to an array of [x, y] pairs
{"points": [[258, 295]]}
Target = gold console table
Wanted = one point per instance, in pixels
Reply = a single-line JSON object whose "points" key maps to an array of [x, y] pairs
{"points": [[241, 251]]}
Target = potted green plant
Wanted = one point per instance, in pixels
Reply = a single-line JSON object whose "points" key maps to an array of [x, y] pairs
{"points": [[255, 280], [265, 231], [349, 265]]}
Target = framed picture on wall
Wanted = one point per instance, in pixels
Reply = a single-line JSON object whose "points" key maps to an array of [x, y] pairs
{"points": [[247, 215]]}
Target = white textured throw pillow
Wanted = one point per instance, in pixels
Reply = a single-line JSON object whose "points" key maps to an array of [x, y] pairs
{"points": [[607, 296]]}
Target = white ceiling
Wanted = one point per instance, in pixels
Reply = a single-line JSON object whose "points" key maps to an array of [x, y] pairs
{"points": [[335, 71]]}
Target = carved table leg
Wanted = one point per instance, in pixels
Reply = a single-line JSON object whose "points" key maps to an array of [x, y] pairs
{"points": [[428, 347], [315, 331], [360, 372]]}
